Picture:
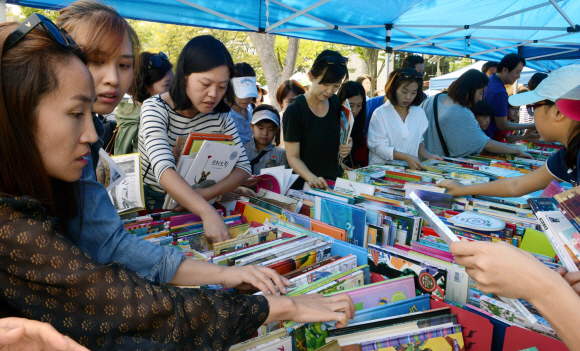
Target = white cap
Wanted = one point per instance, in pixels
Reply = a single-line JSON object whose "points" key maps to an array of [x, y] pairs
{"points": [[265, 114], [569, 104], [245, 87], [558, 83]]}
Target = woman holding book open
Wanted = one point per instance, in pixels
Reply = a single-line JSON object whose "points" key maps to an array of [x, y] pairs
{"points": [[46, 128], [555, 106], [312, 124]]}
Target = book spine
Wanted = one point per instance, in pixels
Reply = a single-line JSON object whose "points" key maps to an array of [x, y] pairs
{"points": [[560, 249]]}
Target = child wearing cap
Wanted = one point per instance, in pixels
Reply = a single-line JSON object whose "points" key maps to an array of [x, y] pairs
{"points": [[246, 90], [261, 150], [555, 105]]}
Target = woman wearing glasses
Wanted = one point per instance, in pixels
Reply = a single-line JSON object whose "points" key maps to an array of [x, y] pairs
{"points": [[312, 124], [453, 130], [153, 78], [396, 128], [46, 128]]}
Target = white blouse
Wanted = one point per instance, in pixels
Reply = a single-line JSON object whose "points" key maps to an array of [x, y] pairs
{"points": [[388, 133]]}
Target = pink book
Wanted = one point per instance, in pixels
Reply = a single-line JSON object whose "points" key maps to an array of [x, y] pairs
{"points": [[402, 247], [430, 254], [417, 246], [381, 293]]}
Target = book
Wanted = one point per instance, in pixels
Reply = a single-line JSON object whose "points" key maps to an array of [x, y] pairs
{"points": [[213, 162], [344, 216], [108, 172], [353, 188], [346, 125], [432, 198], [477, 221], [276, 179], [434, 221], [128, 196]]}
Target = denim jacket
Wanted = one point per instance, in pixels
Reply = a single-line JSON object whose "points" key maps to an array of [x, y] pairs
{"points": [[98, 229]]}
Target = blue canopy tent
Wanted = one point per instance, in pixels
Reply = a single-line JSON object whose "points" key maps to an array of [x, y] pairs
{"points": [[483, 29]]}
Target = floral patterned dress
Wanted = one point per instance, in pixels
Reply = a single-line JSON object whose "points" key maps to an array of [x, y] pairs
{"points": [[43, 276]]}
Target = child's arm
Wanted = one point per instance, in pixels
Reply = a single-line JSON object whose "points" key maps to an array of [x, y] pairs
{"points": [[503, 148], [507, 187], [527, 137]]}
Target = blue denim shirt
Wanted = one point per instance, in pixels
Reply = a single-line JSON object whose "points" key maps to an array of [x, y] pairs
{"points": [[102, 235]]}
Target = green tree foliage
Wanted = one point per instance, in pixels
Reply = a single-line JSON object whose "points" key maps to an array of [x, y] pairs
{"points": [[25, 12]]}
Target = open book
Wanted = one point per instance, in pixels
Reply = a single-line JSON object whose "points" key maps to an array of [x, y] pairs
{"points": [[128, 196]]}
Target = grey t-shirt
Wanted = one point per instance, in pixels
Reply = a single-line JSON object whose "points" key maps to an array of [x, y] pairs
{"points": [[459, 127]]}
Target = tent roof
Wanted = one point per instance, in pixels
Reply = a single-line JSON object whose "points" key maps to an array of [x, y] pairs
{"points": [[483, 29], [444, 81]]}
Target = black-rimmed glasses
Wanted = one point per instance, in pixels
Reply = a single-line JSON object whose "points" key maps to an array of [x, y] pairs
{"points": [[532, 108], [58, 34], [331, 60], [155, 61]]}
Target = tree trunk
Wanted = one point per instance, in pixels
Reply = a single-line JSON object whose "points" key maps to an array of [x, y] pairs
{"points": [[264, 44], [371, 60]]}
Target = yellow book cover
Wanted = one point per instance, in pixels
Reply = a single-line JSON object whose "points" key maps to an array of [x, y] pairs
{"points": [[453, 342]]}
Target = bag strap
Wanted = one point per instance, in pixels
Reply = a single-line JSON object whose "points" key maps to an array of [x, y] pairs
{"points": [[110, 148], [441, 139], [257, 159]]}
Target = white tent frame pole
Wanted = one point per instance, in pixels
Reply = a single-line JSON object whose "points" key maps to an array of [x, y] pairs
{"points": [[288, 30], [552, 54], [559, 9], [556, 64], [2, 11], [430, 43], [557, 29], [327, 24], [516, 45], [396, 48], [554, 47], [439, 43], [299, 13], [220, 15], [518, 40], [488, 45], [539, 63]]}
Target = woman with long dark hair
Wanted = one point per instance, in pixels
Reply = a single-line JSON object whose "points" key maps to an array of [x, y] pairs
{"points": [[354, 92], [460, 134], [46, 128]]}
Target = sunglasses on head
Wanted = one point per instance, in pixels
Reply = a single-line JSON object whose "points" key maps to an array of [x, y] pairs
{"points": [[532, 108], [58, 34], [156, 60], [410, 74], [331, 60]]}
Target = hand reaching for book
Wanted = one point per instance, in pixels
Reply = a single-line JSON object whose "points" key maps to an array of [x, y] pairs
{"points": [[311, 308], [488, 265], [453, 186], [572, 278], [524, 155], [414, 162], [28, 335], [254, 277], [317, 182], [214, 227]]}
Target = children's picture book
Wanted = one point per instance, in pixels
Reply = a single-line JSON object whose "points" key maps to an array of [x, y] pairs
{"points": [[447, 339], [381, 293], [128, 196], [276, 179], [391, 263], [346, 124], [353, 188], [344, 216], [213, 162]]}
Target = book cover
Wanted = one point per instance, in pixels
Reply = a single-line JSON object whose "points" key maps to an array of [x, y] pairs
{"points": [[476, 221], [353, 188], [344, 216], [214, 162], [128, 196], [391, 264], [448, 339], [377, 294]]}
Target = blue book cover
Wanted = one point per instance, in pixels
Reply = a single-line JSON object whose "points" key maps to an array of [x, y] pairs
{"points": [[415, 304], [343, 216], [298, 219]]}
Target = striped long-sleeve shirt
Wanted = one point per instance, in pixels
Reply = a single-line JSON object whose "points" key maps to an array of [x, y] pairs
{"points": [[160, 126]]}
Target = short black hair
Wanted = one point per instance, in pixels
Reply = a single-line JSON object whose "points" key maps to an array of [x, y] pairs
{"points": [[243, 69], [489, 64], [412, 60], [146, 76], [483, 108], [200, 54], [510, 61], [536, 79], [331, 73], [462, 91], [397, 78]]}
